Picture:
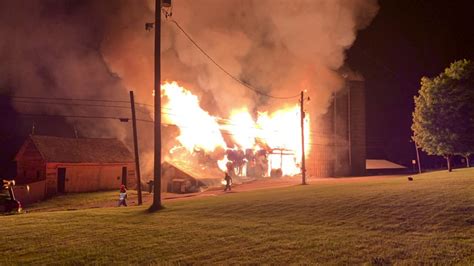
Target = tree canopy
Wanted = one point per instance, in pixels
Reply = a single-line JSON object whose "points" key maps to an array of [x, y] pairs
{"points": [[443, 120]]}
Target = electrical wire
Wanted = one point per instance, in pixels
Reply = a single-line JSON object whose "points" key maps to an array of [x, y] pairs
{"points": [[72, 104], [67, 99], [80, 104], [74, 116], [245, 84]]}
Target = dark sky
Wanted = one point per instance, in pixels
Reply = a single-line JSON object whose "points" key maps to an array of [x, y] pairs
{"points": [[407, 40]]}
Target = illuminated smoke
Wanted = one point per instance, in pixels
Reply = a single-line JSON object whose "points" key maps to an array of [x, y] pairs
{"points": [[280, 47], [100, 49]]}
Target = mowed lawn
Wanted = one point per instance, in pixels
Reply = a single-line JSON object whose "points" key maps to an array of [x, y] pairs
{"points": [[390, 220]]}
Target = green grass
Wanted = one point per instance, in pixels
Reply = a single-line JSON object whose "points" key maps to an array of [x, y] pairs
{"points": [[75, 201], [430, 220]]}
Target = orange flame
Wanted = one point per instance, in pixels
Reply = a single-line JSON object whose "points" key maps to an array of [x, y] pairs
{"points": [[198, 129], [280, 131]]}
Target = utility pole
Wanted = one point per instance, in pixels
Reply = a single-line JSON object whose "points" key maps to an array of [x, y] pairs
{"points": [[135, 148], [417, 157], [349, 131], [157, 161], [302, 114], [335, 134]]}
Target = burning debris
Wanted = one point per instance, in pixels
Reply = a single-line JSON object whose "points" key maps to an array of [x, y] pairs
{"points": [[241, 145]]}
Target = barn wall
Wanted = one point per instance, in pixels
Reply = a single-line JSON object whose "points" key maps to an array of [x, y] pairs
{"points": [[30, 165], [90, 177]]}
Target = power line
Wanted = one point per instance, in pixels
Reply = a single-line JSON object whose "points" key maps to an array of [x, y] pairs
{"points": [[126, 119], [145, 104], [78, 104], [73, 116], [76, 99], [72, 104], [221, 121], [67, 99], [245, 84]]}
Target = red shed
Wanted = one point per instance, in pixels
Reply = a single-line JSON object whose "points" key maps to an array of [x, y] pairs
{"points": [[75, 164]]}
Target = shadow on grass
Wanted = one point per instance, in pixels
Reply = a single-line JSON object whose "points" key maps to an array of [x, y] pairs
{"points": [[154, 209]]}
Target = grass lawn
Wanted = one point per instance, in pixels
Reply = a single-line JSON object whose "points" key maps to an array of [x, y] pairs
{"points": [[429, 220]]}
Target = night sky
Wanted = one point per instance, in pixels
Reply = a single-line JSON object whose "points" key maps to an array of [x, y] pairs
{"points": [[406, 41]]}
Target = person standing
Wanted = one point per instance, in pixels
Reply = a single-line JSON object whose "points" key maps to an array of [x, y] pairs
{"points": [[123, 196], [228, 182]]}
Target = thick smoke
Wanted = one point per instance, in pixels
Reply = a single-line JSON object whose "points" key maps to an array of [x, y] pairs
{"points": [[52, 49], [280, 47], [100, 49]]}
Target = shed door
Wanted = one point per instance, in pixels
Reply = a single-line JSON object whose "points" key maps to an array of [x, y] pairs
{"points": [[124, 176], [61, 180]]}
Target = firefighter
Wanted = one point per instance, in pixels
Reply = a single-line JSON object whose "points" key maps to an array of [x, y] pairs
{"points": [[228, 177], [228, 182]]}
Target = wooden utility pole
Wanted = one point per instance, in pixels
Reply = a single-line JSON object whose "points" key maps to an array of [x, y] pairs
{"points": [[335, 134], [418, 157], [135, 148], [302, 115], [157, 161]]}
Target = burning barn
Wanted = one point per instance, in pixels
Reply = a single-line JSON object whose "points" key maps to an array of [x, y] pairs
{"points": [[75, 164], [268, 144]]}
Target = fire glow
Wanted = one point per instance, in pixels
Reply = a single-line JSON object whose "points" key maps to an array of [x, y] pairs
{"points": [[272, 139]]}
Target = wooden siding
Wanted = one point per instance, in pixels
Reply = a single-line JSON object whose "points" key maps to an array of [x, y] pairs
{"points": [[89, 177], [30, 165]]}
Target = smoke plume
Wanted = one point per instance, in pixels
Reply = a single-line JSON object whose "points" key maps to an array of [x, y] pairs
{"points": [[280, 47], [100, 49]]}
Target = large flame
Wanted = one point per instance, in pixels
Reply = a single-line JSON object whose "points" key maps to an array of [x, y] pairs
{"points": [[198, 129], [282, 132], [242, 128], [278, 132]]}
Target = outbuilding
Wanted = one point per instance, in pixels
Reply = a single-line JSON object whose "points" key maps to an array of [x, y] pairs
{"points": [[384, 167], [75, 164]]}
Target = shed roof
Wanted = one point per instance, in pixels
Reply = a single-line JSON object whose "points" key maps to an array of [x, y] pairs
{"points": [[381, 164], [81, 150]]}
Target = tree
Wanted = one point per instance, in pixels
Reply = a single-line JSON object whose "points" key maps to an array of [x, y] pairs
{"points": [[443, 120]]}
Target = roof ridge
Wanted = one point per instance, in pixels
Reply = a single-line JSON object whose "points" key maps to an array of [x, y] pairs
{"points": [[69, 137]]}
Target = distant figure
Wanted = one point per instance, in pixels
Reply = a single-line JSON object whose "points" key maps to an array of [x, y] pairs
{"points": [[123, 196], [228, 182]]}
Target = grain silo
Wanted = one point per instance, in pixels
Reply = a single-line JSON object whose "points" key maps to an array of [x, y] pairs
{"points": [[338, 142]]}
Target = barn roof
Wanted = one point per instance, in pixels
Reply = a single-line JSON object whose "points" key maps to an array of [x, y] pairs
{"points": [[81, 150]]}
